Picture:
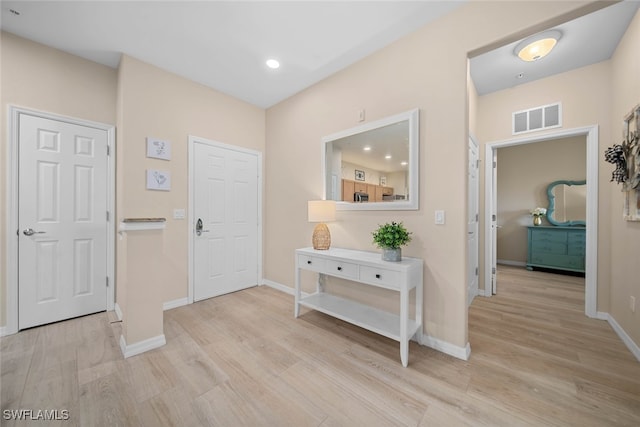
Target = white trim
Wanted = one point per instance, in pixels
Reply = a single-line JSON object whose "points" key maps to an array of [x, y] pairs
{"points": [[142, 226], [602, 315], [191, 162], [175, 303], [279, 286], [626, 339], [118, 311], [445, 347], [509, 262], [141, 346], [3, 331], [13, 113], [593, 151]]}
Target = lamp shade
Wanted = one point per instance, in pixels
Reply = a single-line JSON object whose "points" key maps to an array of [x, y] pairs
{"points": [[321, 210]]}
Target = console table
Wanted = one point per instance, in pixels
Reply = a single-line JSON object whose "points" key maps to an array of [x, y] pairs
{"points": [[367, 268]]}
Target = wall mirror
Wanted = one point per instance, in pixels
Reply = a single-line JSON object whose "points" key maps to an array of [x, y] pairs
{"points": [[567, 203], [374, 166]]}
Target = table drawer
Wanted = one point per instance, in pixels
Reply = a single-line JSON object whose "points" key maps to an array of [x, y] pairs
{"points": [[561, 261], [380, 277], [311, 263], [342, 269]]}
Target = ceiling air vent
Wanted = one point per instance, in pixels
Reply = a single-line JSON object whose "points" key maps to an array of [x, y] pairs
{"points": [[538, 118]]}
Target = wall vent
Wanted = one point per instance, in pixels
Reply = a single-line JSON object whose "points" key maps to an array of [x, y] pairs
{"points": [[538, 118]]}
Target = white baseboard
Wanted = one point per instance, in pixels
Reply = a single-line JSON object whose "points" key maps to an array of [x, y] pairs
{"points": [[141, 346], [118, 311], [445, 347], [626, 339], [509, 262], [175, 303], [279, 286]]}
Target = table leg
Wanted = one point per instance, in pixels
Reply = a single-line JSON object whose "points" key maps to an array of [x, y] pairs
{"points": [[296, 309], [404, 316]]}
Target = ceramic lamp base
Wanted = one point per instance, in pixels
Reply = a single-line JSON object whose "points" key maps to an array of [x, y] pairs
{"points": [[321, 237]]}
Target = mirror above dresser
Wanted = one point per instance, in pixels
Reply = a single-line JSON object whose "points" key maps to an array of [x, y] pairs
{"points": [[567, 203]]}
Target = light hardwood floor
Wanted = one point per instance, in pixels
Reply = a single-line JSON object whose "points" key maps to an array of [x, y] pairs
{"points": [[243, 360]]}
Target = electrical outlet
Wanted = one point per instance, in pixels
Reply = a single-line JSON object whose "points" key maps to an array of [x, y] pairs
{"points": [[178, 213], [632, 304]]}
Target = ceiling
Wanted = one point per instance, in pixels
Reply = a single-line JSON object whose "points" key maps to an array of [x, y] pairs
{"points": [[224, 44], [585, 41]]}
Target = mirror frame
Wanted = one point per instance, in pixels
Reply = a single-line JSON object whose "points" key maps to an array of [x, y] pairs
{"points": [[414, 163], [552, 203]]}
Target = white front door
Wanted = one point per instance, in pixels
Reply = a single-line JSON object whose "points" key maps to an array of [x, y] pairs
{"points": [[225, 219], [472, 222], [62, 210]]}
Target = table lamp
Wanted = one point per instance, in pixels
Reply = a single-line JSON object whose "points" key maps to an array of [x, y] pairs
{"points": [[321, 211]]}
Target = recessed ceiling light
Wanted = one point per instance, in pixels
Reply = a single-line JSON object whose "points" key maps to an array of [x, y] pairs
{"points": [[388, 156], [367, 148], [272, 63], [403, 163], [537, 46]]}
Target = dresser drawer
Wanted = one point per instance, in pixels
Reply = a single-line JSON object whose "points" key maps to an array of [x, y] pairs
{"points": [[563, 261], [549, 248], [380, 276], [311, 263], [342, 269], [549, 236]]}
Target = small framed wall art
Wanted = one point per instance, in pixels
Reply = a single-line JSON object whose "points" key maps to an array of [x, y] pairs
{"points": [[359, 175], [158, 149], [158, 180]]}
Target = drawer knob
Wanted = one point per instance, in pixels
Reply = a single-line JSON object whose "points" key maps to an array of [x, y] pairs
{"points": [[339, 268], [308, 262], [377, 276]]}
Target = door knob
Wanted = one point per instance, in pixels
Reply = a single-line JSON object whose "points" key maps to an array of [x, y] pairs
{"points": [[199, 227], [31, 232]]}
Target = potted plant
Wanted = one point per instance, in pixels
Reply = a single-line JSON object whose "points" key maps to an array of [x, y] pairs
{"points": [[389, 237]]}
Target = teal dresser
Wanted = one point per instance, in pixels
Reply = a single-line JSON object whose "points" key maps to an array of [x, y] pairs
{"points": [[560, 248]]}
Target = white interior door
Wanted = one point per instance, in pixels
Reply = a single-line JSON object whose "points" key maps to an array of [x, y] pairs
{"points": [[493, 254], [225, 218], [472, 222], [62, 210]]}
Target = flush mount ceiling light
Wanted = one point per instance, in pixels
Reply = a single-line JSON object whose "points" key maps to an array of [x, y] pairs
{"points": [[537, 46], [367, 148], [273, 63]]}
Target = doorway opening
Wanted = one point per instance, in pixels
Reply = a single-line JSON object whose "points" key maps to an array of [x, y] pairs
{"points": [[491, 224]]}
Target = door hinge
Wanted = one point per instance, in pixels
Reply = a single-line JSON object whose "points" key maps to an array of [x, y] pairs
{"points": [[495, 165], [476, 271], [107, 281], [478, 163], [107, 216], [493, 270], [477, 217], [108, 150]]}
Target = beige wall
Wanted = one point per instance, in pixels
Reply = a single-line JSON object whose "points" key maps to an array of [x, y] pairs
{"points": [[524, 172], [156, 103], [427, 70], [41, 78], [625, 236]]}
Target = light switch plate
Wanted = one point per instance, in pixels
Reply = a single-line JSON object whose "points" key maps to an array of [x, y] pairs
{"points": [[178, 213], [440, 217]]}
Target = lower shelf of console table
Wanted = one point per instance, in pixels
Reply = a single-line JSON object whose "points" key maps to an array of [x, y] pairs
{"points": [[367, 268]]}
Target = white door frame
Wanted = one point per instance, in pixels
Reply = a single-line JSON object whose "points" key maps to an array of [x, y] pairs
{"points": [[192, 141], [11, 307], [591, 271], [474, 141]]}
